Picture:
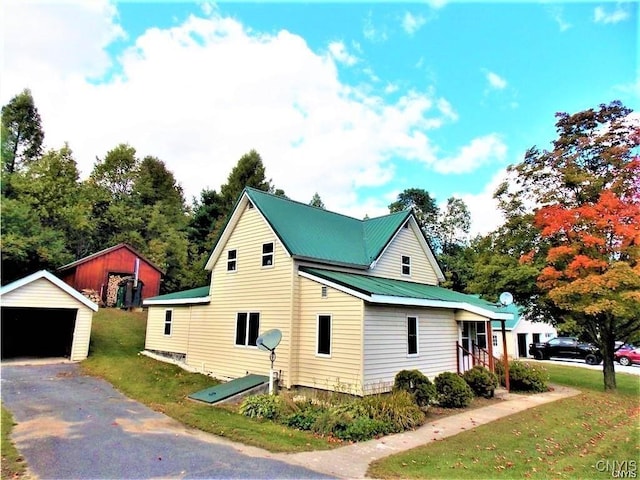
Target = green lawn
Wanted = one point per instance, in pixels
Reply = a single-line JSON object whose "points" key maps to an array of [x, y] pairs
{"points": [[570, 438], [12, 466]]}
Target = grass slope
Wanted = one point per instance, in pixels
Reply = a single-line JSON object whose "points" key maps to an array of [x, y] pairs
{"points": [[12, 465], [563, 439]]}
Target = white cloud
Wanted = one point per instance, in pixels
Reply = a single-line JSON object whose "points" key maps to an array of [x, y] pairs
{"points": [[496, 81], [557, 14], [203, 93], [618, 14], [480, 151], [412, 23], [483, 208], [339, 52], [373, 33]]}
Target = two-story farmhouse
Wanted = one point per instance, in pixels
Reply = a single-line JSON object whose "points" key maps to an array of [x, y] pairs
{"points": [[356, 301]]}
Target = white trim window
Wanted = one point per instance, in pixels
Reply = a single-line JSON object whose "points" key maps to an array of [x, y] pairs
{"points": [[247, 328], [323, 339], [406, 265], [232, 260], [412, 336], [267, 254], [494, 341], [168, 322]]}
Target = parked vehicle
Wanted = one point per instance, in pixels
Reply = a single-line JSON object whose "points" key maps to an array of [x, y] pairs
{"points": [[626, 356], [566, 347]]}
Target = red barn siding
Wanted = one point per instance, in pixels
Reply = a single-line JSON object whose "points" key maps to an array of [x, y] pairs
{"points": [[93, 273]]}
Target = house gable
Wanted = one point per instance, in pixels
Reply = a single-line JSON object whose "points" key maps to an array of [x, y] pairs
{"points": [[316, 235]]}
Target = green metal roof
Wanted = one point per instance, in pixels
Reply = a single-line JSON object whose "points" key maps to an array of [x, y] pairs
{"points": [[509, 324], [315, 233], [194, 295], [387, 287]]}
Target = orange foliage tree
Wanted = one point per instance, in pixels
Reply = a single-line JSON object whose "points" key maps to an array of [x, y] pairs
{"points": [[585, 196]]}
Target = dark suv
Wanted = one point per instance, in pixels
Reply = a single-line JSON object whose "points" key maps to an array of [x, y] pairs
{"points": [[565, 347]]}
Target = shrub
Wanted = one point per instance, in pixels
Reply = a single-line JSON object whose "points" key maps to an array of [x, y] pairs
{"points": [[365, 428], [524, 377], [482, 381], [452, 390], [417, 384], [331, 423], [262, 406], [398, 410], [304, 418]]}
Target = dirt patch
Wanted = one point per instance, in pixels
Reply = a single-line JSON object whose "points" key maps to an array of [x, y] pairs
{"points": [[44, 426], [150, 425]]}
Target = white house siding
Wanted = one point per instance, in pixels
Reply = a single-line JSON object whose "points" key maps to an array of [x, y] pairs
{"points": [[178, 341], [41, 293], [342, 370], [385, 344], [390, 264], [251, 288]]}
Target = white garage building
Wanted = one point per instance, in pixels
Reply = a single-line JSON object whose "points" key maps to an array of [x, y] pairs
{"points": [[44, 317]]}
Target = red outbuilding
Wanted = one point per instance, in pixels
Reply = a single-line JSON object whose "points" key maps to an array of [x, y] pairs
{"points": [[118, 276]]}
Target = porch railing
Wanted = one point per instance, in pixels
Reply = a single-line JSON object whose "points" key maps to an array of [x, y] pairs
{"points": [[477, 356]]}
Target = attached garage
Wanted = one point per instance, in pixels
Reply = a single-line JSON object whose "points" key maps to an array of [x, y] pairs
{"points": [[44, 317]]}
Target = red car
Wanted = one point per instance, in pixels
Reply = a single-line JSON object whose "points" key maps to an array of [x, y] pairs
{"points": [[627, 356]]}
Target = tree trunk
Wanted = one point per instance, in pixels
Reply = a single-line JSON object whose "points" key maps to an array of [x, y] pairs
{"points": [[608, 370]]}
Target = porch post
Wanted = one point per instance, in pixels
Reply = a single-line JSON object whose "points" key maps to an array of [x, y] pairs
{"points": [[505, 358], [490, 345]]}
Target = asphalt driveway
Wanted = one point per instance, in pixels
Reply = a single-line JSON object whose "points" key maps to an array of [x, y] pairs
{"points": [[73, 426]]}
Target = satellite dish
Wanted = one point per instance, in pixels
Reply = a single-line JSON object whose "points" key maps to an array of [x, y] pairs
{"points": [[506, 298], [269, 340]]}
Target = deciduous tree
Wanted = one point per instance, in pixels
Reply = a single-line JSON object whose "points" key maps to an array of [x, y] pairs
{"points": [[585, 195]]}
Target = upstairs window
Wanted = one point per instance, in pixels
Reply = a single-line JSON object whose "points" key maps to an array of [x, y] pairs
{"points": [[168, 320], [406, 265], [232, 262], [267, 254], [412, 335], [324, 335], [247, 328]]}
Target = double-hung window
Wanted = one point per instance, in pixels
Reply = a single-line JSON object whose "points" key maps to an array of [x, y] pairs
{"points": [[412, 335], [232, 260], [324, 335], [406, 265], [247, 328], [168, 321], [267, 254]]}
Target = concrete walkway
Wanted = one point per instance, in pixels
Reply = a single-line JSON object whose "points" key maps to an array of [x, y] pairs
{"points": [[352, 461]]}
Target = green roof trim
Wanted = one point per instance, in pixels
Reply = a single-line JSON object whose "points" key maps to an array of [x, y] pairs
{"points": [[318, 234], [516, 310], [385, 287], [184, 297]]}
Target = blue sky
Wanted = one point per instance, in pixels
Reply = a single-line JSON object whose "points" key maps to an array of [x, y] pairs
{"points": [[356, 101]]}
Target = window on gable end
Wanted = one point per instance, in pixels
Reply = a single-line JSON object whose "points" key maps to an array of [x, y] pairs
{"points": [[324, 292], [406, 265], [267, 254], [232, 260]]}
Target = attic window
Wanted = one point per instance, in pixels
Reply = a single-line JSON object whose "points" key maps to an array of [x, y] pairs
{"points": [[406, 224], [406, 265], [231, 260], [250, 205], [324, 292], [267, 254]]}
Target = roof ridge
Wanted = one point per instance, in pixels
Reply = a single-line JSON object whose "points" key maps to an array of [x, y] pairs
{"points": [[333, 212]]}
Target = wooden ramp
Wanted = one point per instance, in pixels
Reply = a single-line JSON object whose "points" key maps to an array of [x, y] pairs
{"points": [[227, 390]]}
